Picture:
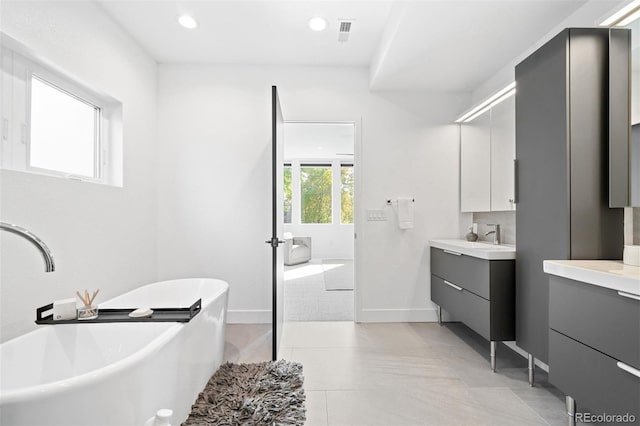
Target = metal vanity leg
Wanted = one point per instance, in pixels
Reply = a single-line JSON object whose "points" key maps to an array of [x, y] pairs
{"points": [[571, 410], [532, 366], [493, 355], [440, 316]]}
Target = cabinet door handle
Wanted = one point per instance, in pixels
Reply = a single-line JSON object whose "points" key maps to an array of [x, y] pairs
{"points": [[455, 253], [629, 295], [628, 369], [516, 183], [453, 285]]}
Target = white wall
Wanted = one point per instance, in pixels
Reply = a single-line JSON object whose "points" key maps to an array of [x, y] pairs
{"points": [[214, 181], [328, 241], [101, 237]]}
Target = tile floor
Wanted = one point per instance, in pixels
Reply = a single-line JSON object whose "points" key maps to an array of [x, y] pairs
{"points": [[403, 374], [306, 297]]}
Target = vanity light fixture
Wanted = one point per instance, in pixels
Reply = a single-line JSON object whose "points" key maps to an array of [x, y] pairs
{"points": [[624, 16], [188, 22], [317, 23], [629, 19], [488, 103]]}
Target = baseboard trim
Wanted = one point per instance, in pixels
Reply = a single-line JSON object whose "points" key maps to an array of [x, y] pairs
{"points": [[248, 316], [397, 315]]}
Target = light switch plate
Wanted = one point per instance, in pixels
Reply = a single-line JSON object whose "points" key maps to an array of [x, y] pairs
{"points": [[376, 215]]}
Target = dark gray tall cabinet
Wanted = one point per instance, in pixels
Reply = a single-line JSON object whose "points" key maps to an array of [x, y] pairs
{"points": [[562, 140]]}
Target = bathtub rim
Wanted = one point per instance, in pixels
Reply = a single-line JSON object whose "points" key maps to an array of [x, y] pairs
{"points": [[154, 346]]}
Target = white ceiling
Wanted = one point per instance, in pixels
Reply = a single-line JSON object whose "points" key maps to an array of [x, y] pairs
{"points": [[310, 141], [457, 45], [253, 32], [437, 45]]}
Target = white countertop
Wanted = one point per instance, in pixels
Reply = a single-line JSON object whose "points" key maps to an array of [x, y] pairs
{"points": [[604, 273], [479, 249]]}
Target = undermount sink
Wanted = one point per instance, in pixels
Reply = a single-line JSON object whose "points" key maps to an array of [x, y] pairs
{"points": [[482, 250]]}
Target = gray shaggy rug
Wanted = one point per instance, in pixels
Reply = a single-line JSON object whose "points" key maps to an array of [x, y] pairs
{"points": [[266, 393]]}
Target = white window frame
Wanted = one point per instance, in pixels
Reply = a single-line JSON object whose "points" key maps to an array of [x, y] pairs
{"points": [[336, 188], [19, 66], [74, 91], [342, 164], [289, 164]]}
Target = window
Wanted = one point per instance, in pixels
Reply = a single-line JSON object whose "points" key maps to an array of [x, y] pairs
{"points": [[54, 125], [315, 192], [288, 193], [64, 131], [318, 193], [346, 193]]}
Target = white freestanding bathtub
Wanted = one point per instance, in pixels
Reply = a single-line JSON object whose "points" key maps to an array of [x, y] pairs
{"points": [[116, 373]]}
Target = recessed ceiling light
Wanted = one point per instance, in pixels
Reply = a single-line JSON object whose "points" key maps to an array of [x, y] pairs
{"points": [[317, 23], [188, 22]]}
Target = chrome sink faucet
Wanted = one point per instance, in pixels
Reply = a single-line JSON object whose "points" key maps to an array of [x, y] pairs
{"points": [[495, 232], [50, 266]]}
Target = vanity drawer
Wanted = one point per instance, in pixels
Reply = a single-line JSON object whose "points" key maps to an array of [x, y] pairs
{"points": [[468, 272], [596, 381], [462, 305], [596, 316]]}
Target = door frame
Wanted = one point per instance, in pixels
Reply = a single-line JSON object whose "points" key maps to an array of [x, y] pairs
{"points": [[359, 214]]}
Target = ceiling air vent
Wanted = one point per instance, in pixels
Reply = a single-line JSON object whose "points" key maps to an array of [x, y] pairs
{"points": [[343, 32]]}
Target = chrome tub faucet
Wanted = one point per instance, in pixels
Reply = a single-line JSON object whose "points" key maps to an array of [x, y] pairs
{"points": [[50, 266]]}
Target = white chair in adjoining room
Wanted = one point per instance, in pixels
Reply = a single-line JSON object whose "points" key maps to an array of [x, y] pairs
{"points": [[296, 249]]}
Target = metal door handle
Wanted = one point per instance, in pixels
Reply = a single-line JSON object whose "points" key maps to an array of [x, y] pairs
{"points": [[628, 369], [629, 295], [453, 285], [452, 252], [274, 242]]}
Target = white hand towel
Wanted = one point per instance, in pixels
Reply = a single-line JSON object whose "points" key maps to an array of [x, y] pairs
{"points": [[405, 213]]}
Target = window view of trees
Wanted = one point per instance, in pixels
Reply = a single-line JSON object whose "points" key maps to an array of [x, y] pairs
{"points": [[314, 198], [346, 193], [315, 192], [287, 194]]}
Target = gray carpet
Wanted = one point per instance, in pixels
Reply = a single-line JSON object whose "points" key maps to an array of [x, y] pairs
{"points": [[265, 393]]}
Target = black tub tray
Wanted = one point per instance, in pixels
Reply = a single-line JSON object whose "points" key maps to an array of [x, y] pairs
{"points": [[122, 315]]}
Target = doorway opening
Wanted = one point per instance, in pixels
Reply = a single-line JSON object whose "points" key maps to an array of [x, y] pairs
{"points": [[319, 198]]}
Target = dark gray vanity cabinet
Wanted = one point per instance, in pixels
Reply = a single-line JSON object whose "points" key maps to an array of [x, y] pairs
{"points": [[562, 137], [594, 347], [480, 293]]}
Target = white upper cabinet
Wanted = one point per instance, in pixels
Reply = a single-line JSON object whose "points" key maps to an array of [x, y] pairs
{"points": [[487, 153], [503, 152], [475, 165]]}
